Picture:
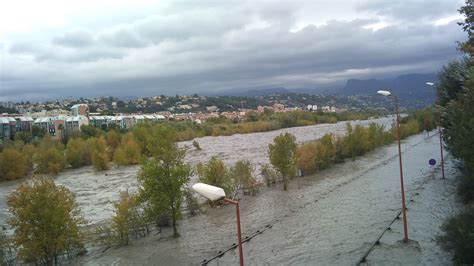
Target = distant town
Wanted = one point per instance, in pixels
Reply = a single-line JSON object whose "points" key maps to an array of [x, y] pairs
{"points": [[62, 117]]}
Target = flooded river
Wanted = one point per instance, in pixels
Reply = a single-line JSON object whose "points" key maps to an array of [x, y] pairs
{"points": [[96, 191], [332, 217]]}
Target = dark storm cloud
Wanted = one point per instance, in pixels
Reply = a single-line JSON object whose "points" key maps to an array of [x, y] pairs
{"points": [[251, 45], [78, 38]]}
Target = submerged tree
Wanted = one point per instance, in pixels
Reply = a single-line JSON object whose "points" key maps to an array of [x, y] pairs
{"points": [[215, 173], [127, 217], [45, 221], [282, 153], [162, 179]]}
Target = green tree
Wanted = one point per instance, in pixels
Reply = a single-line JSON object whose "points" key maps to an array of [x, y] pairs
{"points": [[451, 80], [26, 137], [90, 131], [456, 96], [215, 173], [282, 154], [38, 131], [45, 221], [127, 216], [241, 173], [162, 179]]}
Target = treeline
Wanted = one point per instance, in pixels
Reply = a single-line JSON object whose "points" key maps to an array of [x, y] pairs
{"points": [[456, 100], [286, 156], [261, 122], [36, 152]]}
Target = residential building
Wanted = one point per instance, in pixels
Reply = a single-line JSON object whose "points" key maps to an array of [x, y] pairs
{"points": [[74, 123], [80, 109]]}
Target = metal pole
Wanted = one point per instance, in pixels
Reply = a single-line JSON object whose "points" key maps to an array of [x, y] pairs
{"points": [[405, 227], [239, 234], [441, 141]]}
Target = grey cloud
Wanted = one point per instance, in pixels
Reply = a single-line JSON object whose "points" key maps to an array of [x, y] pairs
{"points": [[412, 10], [208, 48], [93, 55], [123, 38], [76, 39], [22, 48]]}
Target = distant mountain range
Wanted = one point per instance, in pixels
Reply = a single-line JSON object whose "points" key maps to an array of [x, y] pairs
{"points": [[411, 88]]}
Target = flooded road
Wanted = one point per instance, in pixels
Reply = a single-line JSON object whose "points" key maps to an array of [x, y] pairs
{"points": [[333, 218], [96, 191]]}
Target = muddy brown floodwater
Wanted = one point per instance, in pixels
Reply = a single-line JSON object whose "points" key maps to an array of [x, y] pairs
{"points": [[332, 217], [96, 191]]}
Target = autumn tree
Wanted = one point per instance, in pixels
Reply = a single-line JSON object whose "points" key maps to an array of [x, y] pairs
{"points": [[77, 153], [49, 161], [13, 164], [45, 221], [129, 152], [98, 151], [305, 157], [282, 153], [113, 141]]}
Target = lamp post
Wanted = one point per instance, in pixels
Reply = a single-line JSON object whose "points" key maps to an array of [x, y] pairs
{"points": [[216, 193], [440, 132], [395, 99]]}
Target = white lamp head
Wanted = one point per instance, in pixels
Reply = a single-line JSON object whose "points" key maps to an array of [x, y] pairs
{"points": [[211, 192], [429, 83], [384, 93]]}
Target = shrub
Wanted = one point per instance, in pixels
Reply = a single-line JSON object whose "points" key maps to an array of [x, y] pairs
{"points": [[215, 173], [196, 145], [459, 236], [269, 174]]}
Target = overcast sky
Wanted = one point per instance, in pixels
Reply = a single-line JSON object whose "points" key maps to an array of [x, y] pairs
{"points": [[59, 48]]}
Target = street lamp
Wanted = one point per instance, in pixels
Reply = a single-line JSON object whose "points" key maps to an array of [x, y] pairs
{"points": [[216, 193], [395, 99], [440, 132]]}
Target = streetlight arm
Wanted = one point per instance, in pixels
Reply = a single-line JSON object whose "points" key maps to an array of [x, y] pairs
{"points": [[231, 201]]}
